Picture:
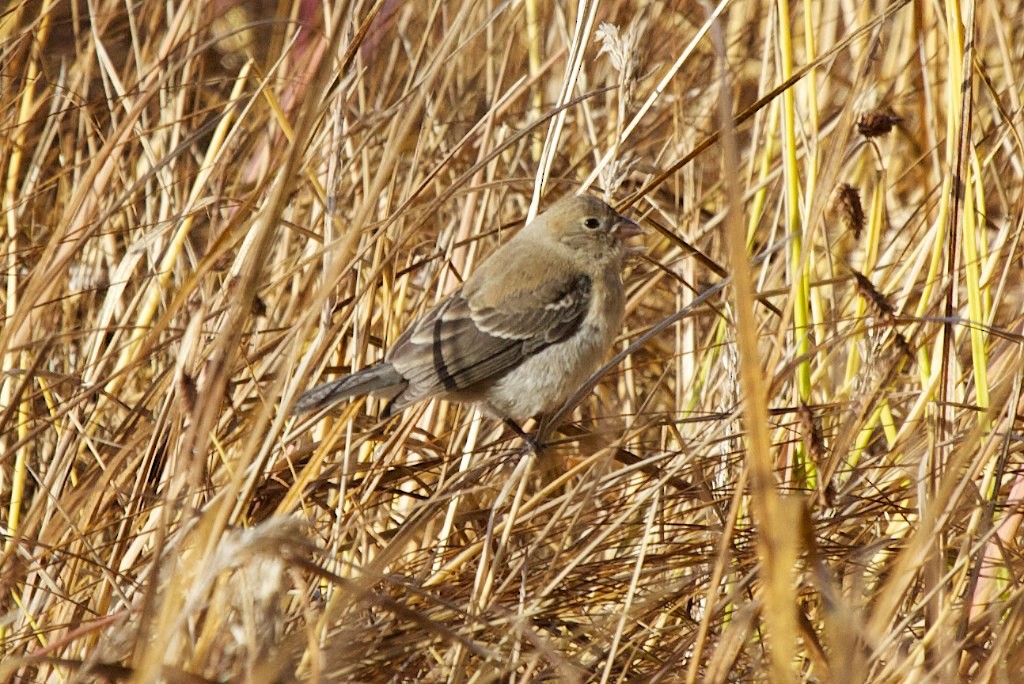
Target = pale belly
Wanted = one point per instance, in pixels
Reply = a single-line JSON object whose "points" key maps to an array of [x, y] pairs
{"points": [[546, 379]]}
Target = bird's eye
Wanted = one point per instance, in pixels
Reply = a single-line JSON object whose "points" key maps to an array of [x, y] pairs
{"points": [[592, 223]]}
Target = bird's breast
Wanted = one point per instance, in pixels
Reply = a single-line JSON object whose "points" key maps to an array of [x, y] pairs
{"points": [[543, 381]]}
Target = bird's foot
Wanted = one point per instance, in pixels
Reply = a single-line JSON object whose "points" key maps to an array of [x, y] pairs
{"points": [[530, 444]]}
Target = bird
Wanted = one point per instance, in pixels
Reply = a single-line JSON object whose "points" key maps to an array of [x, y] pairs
{"points": [[524, 331]]}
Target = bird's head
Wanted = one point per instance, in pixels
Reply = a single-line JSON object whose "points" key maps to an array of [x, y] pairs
{"points": [[587, 225]]}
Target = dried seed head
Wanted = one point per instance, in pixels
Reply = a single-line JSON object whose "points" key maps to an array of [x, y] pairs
{"points": [[846, 203], [880, 305], [623, 49], [811, 433], [877, 122]]}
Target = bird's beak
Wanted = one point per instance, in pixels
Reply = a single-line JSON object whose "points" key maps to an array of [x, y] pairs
{"points": [[626, 229]]}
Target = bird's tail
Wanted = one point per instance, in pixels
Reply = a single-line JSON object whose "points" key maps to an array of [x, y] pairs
{"points": [[381, 378]]}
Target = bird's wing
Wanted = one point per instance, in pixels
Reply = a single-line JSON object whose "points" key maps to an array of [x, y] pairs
{"points": [[456, 345]]}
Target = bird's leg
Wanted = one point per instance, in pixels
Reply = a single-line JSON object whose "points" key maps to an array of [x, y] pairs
{"points": [[531, 444]]}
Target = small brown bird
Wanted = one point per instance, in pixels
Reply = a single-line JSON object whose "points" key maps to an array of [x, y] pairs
{"points": [[524, 331]]}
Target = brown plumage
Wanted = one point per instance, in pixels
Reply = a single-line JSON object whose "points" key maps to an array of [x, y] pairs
{"points": [[525, 330]]}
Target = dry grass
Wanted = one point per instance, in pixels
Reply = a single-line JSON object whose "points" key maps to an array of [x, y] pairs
{"points": [[805, 466]]}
